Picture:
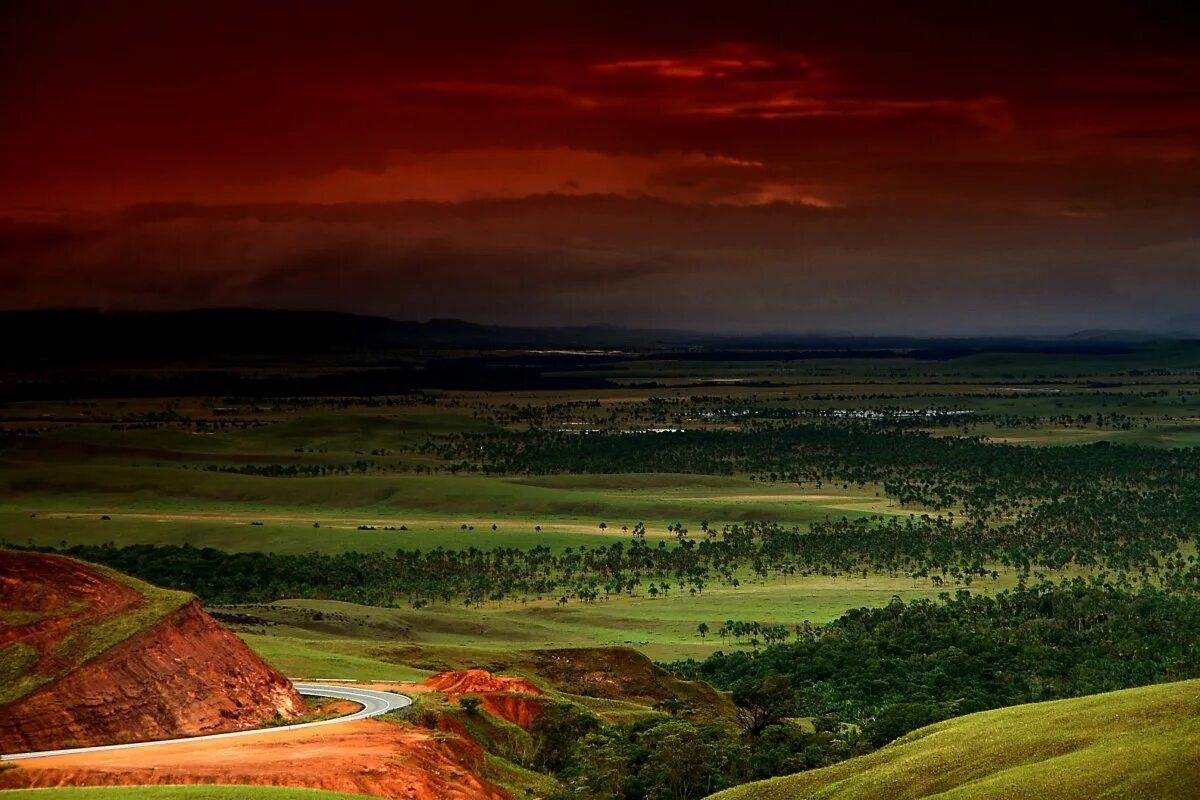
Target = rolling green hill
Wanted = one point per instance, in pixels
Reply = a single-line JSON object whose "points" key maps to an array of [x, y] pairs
{"points": [[1137, 743]]}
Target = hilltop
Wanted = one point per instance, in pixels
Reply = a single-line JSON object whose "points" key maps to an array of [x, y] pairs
{"points": [[1136, 743], [89, 656]]}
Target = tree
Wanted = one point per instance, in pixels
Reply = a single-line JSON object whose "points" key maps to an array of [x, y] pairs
{"points": [[469, 703], [599, 768], [556, 731], [762, 702], [702, 629], [687, 761]]}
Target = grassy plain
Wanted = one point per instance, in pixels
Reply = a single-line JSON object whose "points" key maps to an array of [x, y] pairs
{"points": [[1138, 744], [364, 642], [169, 471], [332, 658], [156, 505]]}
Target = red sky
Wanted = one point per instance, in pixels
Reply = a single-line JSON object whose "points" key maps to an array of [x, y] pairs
{"points": [[898, 167]]}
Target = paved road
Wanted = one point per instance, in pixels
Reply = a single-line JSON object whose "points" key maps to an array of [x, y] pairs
{"points": [[373, 704]]}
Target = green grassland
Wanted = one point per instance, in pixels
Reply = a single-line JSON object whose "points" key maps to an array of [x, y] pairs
{"points": [[187, 471], [150, 466], [333, 658], [160, 505], [192, 792], [1136, 744], [312, 637]]}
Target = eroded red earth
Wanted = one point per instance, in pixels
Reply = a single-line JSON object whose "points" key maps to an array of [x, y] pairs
{"points": [[512, 699], [183, 675], [368, 757], [64, 594], [187, 675]]}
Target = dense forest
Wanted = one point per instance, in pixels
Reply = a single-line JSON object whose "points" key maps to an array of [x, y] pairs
{"points": [[872, 676], [897, 668]]}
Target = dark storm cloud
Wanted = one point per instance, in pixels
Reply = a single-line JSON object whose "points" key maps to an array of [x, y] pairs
{"points": [[640, 262], [776, 165]]}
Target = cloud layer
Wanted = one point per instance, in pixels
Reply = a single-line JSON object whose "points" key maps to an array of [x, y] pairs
{"points": [[778, 168]]}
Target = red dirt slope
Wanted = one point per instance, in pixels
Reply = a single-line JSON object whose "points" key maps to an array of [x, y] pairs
{"points": [[182, 675], [64, 593], [502, 696], [368, 757], [477, 681]]}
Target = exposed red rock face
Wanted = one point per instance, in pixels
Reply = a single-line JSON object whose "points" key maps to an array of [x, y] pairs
{"points": [[504, 697], [477, 681], [518, 709], [183, 676], [65, 592]]}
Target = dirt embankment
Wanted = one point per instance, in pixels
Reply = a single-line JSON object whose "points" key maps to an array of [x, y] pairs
{"points": [[183, 676], [476, 681], [59, 596], [512, 699], [369, 757]]}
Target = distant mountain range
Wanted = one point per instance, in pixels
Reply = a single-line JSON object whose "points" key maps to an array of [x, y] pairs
{"points": [[250, 334]]}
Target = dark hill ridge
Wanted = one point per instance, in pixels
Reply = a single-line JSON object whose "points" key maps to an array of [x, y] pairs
{"points": [[90, 336], [255, 353], [76, 336]]}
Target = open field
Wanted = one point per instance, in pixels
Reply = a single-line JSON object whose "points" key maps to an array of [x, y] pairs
{"points": [[1137, 743], [737, 521], [330, 658], [155, 505], [366, 643], [196, 471]]}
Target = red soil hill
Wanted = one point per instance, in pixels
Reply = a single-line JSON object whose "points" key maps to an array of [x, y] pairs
{"points": [[504, 697], [182, 675]]}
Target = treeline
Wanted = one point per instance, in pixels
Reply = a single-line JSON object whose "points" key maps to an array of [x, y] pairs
{"points": [[891, 670], [936, 472], [359, 467], [938, 409], [1136, 537]]}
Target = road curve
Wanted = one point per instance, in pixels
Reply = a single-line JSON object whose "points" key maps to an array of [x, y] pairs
{"points": [[373, 704]]}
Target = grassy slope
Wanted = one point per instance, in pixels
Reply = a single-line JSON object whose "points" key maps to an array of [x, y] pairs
{"points": [[343, 659], [87, 641], [174, 793], [166, 505], [1137, 743], [663, 628]]}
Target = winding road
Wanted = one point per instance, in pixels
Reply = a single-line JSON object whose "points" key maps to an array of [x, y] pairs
{"points": [[373, 704]]}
